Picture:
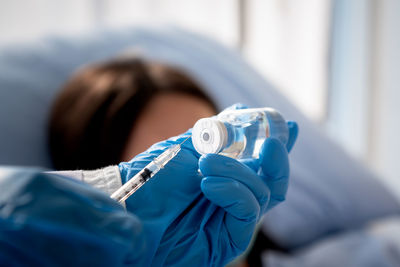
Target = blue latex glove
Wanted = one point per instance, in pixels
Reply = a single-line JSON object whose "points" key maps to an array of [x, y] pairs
{"points": [[48, 220], [206, 219]]}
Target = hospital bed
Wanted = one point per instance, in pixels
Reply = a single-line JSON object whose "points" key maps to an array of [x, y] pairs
{"points": [[336, 213]]}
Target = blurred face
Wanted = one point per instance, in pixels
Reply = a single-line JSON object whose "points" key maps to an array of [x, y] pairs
{"points": [[165, 116]]}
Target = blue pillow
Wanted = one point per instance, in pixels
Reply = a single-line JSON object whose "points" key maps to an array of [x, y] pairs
{"points": [[329, 190]]}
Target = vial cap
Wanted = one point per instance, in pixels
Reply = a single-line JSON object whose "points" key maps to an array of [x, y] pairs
{"points": [[209, 136]]}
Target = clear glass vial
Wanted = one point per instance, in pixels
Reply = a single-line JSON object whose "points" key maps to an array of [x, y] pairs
{"points": [[239, 133]]}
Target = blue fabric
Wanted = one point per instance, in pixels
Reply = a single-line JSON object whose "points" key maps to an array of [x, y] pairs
{"points": [[48, 220], [375, 245], [329, 190], [205, 218]]}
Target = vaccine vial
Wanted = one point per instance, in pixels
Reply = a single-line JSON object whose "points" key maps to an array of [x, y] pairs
{"points": [[239, 133]]}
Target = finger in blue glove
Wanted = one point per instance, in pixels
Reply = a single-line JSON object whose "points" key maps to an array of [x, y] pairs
{"points": [[243, 194]]}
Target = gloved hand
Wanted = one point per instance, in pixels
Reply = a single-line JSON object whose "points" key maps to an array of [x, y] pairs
{"points": [[206, 219], [48, 220], [165, 197]]}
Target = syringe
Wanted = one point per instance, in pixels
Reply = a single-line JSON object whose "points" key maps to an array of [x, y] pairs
{"points": [[146, 173]]}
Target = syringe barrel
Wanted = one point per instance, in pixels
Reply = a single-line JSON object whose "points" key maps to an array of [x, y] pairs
{"points": [[133, 184], [145, 174], [167, 155]]}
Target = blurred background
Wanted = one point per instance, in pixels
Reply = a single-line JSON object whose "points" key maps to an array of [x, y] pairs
{"points": [[337, 60]]}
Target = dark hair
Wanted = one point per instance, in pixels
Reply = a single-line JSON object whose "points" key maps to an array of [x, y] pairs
{"points": [[92, 118]]}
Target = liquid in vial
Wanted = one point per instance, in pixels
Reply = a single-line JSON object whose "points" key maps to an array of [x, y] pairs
{"points": [[239, 133]]}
